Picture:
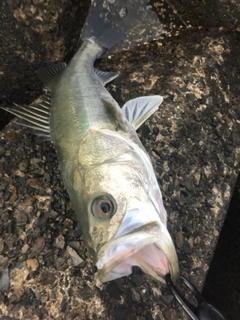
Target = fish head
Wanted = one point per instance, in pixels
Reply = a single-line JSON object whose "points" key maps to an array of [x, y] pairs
{"points": [[123, 218]]}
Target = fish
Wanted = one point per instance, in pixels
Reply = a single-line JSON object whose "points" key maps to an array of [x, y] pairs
{"points": [[104, 167]]}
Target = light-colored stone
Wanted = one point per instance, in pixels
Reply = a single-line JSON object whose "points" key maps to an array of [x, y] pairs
{"points": [[75, 259]]}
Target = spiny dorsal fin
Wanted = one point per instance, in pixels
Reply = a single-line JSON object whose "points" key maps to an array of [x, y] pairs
{"points": [[105, 76], [51, 74], [138, 110], [35, 116]]}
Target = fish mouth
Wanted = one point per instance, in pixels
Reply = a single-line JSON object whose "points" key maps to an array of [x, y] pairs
{"points": [[149, 247]]}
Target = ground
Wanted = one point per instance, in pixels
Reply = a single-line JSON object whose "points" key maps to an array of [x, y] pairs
{"points": [[193, 141]]}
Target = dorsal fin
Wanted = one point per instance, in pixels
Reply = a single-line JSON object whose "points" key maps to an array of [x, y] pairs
{"points": [[138, 110], [51, 74], [35, 116]]}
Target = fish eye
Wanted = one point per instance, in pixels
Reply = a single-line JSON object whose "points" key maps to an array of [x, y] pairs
{"points": [[103, 207]]}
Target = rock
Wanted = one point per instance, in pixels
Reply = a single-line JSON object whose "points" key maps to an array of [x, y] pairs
{"points": [[2, 151], [179, 239], [19, 173], [197, 177], [32, 264], [1, 245], [63, 306], [156, 292], [135, 295], [4, 281], [43, 218], [38, 246], [23, 165], [14, 195], [34, 161], [121, 313], [18, 278], [60, 242], [21, 218], [1, 201], [137, 279], [75, 259], [35, 183], [167, 299], [75, 245], [47, 277], [188, 183], [113, 290], [25, 248]]}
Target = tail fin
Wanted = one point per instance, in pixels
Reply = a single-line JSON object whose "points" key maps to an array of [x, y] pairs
{"points": [[121, 24]]}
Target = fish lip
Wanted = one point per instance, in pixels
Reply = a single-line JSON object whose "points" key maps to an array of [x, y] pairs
{"points": [[147, 234]]}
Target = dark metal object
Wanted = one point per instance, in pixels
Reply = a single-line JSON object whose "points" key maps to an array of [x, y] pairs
{"points": [[203, 310]]}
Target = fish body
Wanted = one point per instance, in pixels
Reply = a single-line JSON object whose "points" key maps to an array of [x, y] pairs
{"points": [[105, 169]]}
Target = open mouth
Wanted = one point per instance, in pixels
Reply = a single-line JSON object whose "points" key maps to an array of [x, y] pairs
{"points": [[149, 247]]}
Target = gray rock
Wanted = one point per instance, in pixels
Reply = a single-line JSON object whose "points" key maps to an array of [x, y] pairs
{"points": [[75, 259], [4, 281]]}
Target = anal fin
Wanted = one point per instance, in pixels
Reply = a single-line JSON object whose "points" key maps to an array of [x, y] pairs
{"points": [[105, 77]]}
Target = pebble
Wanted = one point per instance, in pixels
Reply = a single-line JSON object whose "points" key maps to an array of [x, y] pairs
{"points": [[8, 153], [156, 292], [4, 281], [1, 245], [42, 220], [6, 195], [38, 246], [197, 177], [135, 295], [188, 183], [2, 151], [23, 165], [19, 173], [3, 261], [75, 245], [32, 264], [28, 202], [1, 201], [14, 195], [167, 299], [25, 248], [75, 259], [63, 304], [137, 279], [35, 160], [179, 239], [35, 183], [47, 277], [114, 291], [21, 218], [60, 242], [121, 313]]}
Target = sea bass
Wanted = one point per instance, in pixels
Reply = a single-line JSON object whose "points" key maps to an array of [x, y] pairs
{"points": [[105, 168]]}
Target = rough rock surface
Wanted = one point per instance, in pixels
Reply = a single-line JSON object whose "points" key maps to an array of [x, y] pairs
{"points": [[193, 141]]}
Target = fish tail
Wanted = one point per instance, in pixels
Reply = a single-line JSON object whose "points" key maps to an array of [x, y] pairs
{"points": [[121, 24]]}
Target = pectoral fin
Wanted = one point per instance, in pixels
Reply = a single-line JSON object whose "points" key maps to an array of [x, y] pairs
{"points": [[138, 110]]}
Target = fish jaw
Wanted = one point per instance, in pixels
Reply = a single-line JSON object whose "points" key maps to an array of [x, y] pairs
{"points": [[148, 246]]}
